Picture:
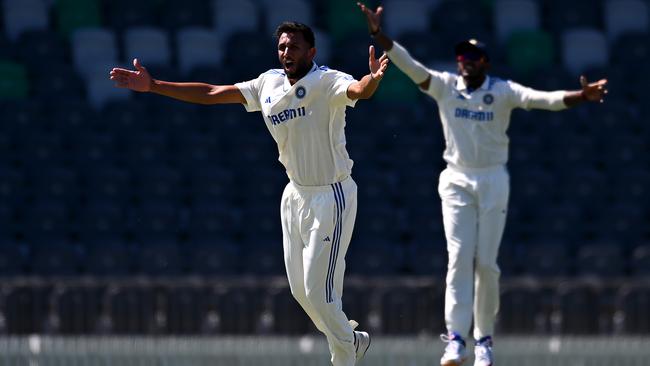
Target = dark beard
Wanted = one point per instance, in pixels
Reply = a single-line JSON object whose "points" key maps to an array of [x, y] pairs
{"points": [[300, 72]]}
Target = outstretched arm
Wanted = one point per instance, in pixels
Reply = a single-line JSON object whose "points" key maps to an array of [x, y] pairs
{"points": [[590, 92], [365, 88], [201, 93], [398, 54]]}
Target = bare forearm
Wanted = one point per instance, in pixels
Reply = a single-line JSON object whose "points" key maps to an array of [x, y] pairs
{"points": [[364, 88], [384, 41], [199, 93], [573, 98]]}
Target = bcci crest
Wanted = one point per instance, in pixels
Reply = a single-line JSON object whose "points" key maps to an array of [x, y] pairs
{"points": [[300, 92], [488, 99]]}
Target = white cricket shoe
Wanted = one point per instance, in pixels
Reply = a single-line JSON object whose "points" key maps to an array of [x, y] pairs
{"points": [[361, 340], [483, 352], [455, 353]]}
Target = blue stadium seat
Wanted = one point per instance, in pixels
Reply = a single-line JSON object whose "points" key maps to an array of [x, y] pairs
{"points": [[178, 14], [510, 16], [626, 16], [161, 258], [216, 256], [108, 257], [230, 17], [561, 15], [198, 47], [601, 259], [13, 257], [640, 261], [545, 258], [406, 16], [123, 14], [20, 16], [374, 255], [211, 221], [54, 257], [155, 221]]}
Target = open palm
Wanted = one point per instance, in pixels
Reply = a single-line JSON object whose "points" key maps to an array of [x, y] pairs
{"points": [[377, 66], [138, 80]]}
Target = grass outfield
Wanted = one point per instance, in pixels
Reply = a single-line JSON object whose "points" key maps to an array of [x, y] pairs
{"points": [[308, 351]]}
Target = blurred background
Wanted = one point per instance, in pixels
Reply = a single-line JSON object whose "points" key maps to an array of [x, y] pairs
{"points": [[133, 215]]}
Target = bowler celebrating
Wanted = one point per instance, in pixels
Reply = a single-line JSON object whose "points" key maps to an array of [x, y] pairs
{"points": [[303, 105]]}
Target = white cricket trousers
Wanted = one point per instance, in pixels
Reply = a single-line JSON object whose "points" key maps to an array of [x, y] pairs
{"points": [[474, 207], [317, 225]]}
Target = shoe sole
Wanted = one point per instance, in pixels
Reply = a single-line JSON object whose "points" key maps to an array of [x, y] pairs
{"points": [[453, 362]]}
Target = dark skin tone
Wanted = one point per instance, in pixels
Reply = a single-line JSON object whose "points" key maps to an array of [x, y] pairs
{"points": [[475, 72]]}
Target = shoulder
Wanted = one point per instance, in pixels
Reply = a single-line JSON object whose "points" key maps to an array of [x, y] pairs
{"points": [[272, 73], [328, 73]]}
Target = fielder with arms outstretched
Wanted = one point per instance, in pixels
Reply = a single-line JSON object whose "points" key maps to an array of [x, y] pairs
{"points": [[303, 105], [474, 188]]}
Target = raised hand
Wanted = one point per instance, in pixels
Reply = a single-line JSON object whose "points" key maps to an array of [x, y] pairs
{"points": [[377, 66], [373, 18], [138, 80], [593, 92]]}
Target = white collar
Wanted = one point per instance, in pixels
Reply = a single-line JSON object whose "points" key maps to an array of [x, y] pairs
{"points": [[462, 87], [287, 84]]}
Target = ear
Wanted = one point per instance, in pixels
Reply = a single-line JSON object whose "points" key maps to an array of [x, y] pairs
{"points": [[311, 53]]}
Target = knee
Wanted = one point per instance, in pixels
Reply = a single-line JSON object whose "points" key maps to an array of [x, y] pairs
{"points": [[316, 297], [484, 268]]}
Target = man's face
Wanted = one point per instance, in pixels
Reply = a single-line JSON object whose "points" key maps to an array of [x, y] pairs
{"points": [[471, 64], [295, 54]]}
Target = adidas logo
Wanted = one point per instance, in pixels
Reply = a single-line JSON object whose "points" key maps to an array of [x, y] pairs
{"points": [[327, 238], [268, 100]]}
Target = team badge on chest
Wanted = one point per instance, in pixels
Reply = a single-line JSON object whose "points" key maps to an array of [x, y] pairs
{"points": [[301, 92], [488, 99]]}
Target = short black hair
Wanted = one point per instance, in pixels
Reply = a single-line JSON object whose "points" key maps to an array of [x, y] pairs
{"points": [[295, 27]]}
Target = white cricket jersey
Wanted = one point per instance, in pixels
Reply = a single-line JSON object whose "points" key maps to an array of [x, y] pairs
{"points": [[475, 123], [307, 121]]}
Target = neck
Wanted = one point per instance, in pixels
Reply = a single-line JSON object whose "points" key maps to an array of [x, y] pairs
{"points": [[299, 74], [474, 82]]}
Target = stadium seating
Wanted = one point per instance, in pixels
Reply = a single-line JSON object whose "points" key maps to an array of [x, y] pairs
{"points": [[20, 16], [626, 16], [131, 214], [514, 16]]}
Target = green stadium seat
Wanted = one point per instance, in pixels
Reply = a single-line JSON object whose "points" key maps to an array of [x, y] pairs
{"points": [[13, 80], [396, 87], [344, 18], [73, 14], [529, 51]]}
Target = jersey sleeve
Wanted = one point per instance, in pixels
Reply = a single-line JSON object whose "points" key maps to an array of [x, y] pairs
{"points": [[528, 98], [251, 91], [339, 89], [437, 84]]}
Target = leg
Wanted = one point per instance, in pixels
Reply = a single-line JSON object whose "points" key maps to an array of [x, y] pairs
{"points": [[293, 247], [492, 219], [324, 263], [460, 220]]}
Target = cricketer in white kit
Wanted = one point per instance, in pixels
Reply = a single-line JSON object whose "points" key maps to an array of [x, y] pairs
{"points": [[304, 109], [475, 113]]}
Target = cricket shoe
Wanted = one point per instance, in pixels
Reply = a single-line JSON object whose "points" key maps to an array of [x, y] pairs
{"points": [[361, 340], [455, 353], [483, 352]]}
